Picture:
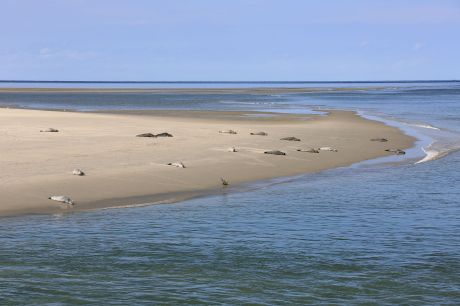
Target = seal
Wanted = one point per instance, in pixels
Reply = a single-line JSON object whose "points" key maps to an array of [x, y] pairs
{"points": [[62, 199], [164, 134], [275, 152], [232, 149], [228, 132], [177, 164], [146, 135], [154, 135], [328, 149], [49, 130], [379, 139], [290, 138], [78, 172], [396, 151], [259, 134], [308, 150]]}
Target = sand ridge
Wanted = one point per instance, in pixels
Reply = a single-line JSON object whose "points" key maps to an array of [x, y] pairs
{"points": [[122, 169]]}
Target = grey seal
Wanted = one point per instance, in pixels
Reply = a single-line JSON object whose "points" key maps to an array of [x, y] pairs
{"points": [[228, 132], [379, 139], [49, 130], [62, 199], [290, 138], [78, 172], [164, 134], [146, 135], [308, 150], [328, 149], [396, 151], [259, 134], [275, 152], [232, 149], [177, 164], [154, 135]]}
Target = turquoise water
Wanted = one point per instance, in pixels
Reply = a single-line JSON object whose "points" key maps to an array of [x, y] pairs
{"points": [[374, 234]]}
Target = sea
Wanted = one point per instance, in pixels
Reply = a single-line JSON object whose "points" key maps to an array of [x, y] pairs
{"points": [[381, 232]]}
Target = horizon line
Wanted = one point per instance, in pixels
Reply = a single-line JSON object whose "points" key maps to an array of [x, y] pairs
{"points": [[223, 82]]}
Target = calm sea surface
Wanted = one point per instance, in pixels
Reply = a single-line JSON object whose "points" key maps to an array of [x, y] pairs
{"points": [[374, 234]]}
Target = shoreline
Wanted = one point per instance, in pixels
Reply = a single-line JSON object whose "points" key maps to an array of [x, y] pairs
{"points": [[113, 182]]}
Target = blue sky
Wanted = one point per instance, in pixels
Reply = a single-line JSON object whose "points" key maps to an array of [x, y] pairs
{"points": [[229, 40]]}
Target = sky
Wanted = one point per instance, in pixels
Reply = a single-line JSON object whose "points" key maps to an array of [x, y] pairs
{"points": [[229, 40]]}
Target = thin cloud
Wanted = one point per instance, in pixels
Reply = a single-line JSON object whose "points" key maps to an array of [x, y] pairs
{"points": [[418, 46], [49, 53]]}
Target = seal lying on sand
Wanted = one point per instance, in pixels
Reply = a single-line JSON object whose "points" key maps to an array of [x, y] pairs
{"points": [[396, 151], [146, 135], [62, 199], [49, 130], [290, 138], [232, 149], [275, 152], [164, 134], [328, 149], [259, 134], [379, 139], [308, 150], [228, 132], [154, 135], [177, 164], [78, 172]]}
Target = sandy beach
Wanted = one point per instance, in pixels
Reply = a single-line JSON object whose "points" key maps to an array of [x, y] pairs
{"points": [[122, 169]]}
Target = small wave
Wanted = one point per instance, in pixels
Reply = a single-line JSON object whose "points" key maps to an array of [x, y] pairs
{"points": [[248, 103], [429, 155], [425, 126], [166, 201]]}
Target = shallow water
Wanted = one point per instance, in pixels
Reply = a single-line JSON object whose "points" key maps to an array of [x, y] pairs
{"points": [[374, 234]]}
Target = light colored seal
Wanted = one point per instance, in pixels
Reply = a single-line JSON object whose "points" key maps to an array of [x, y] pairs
{"points": [[78, 172], [275, 152], [328, 149], [232, 149], [228, 132], [396, 151], [259, 134], [290, 138], [49, 130], [177, 164], [63, 199], [308, 150]]}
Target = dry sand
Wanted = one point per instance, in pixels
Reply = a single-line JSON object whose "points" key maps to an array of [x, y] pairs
{"points": [[124, 170]]}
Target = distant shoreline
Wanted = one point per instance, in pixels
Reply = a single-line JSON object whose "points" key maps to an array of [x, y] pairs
{"points": [[249, 90], [230, 82]]}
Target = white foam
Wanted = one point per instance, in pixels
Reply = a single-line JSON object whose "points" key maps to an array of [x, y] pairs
{"points": [[429, 155], [425, 126]]}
